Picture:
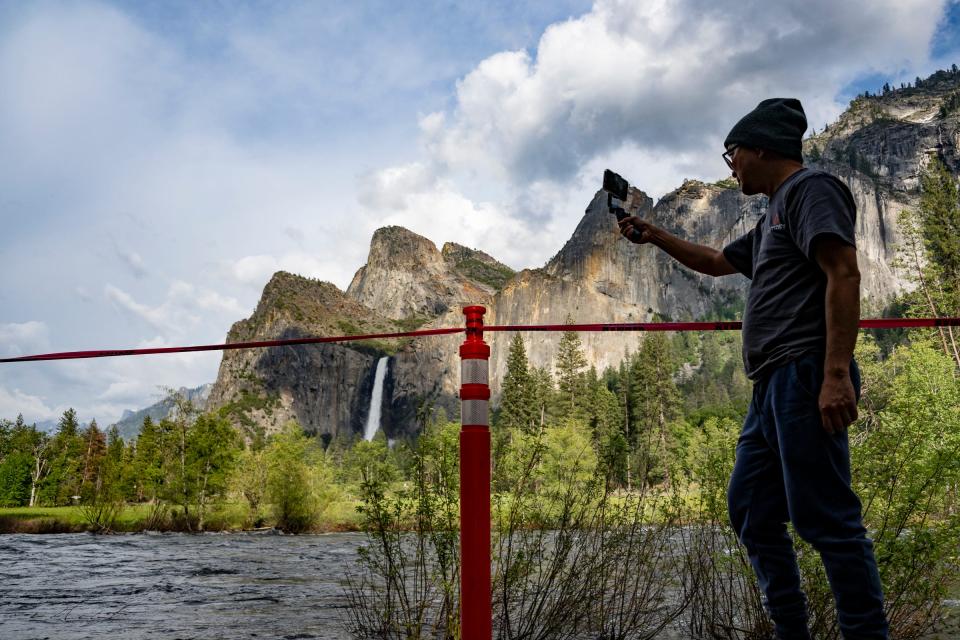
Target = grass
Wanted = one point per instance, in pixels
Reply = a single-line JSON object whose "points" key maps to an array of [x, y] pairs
{"points": [[340, 515]]}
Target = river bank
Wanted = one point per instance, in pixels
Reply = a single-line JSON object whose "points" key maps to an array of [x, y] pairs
{"points": [[140, 518]]}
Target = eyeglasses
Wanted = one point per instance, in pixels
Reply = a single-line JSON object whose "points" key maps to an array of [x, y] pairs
{"points": [[728, 155]]}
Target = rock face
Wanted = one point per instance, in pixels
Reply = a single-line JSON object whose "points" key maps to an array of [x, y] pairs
{"points": [[406, 277], [878, 147], [324, 387]]}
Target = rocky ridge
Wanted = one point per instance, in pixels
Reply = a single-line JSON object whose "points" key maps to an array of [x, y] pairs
{"points": [[407, 278]]}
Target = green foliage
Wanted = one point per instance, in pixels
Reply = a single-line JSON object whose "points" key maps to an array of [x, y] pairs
{"points": [[411, 322], [907, 470], [949, 105], [251, 481], [940, 221], [568, 457], [15, 479], [299, 484], [492, 275], [727, 183], [407, 587], [930, 254]]}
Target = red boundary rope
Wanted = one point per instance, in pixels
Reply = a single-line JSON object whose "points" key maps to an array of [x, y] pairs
{"points": [[873, 323]]}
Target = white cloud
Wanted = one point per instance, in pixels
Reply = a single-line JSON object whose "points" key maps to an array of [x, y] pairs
{"points": [[649, 89], [255, 271], [33, 408], [181, 311], [24, 338], [668, 75]]}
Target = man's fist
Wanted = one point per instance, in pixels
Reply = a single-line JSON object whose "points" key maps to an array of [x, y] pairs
{"points": [[643, 233]]}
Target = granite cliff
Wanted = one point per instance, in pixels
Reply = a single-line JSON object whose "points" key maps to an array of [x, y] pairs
{"points": [[879, 146]]}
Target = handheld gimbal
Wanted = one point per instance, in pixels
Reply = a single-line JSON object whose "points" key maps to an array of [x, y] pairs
{"points": [[616, 187]]}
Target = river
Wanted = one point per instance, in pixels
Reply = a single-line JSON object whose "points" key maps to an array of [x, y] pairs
{"points": [[174, 586], [180, 587]]}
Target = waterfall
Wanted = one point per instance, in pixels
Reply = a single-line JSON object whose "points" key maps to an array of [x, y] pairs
{"points": [[376, 400]]}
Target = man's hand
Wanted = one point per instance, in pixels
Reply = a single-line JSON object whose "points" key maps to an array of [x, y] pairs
{"points": [[627, 225], [838, 402]]}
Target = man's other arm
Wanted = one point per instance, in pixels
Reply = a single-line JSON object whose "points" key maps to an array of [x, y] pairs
{"points": [[838, 260], [695, 256]]}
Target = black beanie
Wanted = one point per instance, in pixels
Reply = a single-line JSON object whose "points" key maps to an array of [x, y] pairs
{"points": [[776, 124]]}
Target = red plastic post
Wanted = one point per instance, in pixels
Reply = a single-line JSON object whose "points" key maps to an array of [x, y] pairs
{"points": [[476, 607]]}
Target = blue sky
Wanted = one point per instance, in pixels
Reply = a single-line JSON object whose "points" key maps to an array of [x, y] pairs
{"points": [[163, 159]]}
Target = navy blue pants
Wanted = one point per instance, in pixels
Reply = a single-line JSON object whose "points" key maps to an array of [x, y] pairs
{"points": [[789, 469]]}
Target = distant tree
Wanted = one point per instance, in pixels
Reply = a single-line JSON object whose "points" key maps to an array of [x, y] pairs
{"points": [[6, 427], [656, 404], [66, 462], [543, 393], [570, 363], [940, 218], [930, 252], [250, 478], [602, 408], [292, 479], [212, 449], [516, 409], [114, 472], [16, 462], [150, 460], [94, 449]]}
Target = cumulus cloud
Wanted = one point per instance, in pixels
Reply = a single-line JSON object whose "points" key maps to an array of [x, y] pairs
{"points": [[671, 75], [647, 88]]}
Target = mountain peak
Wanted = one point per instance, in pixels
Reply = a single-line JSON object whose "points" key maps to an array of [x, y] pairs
{"points": [[400, 244]]}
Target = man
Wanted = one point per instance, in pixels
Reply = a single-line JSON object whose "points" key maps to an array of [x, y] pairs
{"points": [[799, 332]]}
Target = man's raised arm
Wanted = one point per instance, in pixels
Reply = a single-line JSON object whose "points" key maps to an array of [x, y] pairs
{"points": [[695, 256]]}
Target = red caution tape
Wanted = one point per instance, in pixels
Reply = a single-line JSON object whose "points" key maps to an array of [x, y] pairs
{"points": [[875, 323]]}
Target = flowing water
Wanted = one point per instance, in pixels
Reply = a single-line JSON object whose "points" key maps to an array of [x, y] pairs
{"points": [[180, 587], [174, 586], [376, 400]]}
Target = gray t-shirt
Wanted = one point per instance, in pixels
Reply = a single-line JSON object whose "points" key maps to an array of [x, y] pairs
{"points": [[785, 315]]}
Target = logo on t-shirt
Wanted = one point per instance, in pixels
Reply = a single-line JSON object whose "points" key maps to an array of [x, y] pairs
{"points": [[775, 224]]}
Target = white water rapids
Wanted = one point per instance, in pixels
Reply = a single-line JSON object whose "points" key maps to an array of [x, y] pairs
{"points": [[376, 400]]}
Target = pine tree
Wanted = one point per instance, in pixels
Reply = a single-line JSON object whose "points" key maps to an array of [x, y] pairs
{"points": [[66, 462], [113, 473], [570, 363], [940, 219], [543, 393], [656, 404], [212, 450], [149, 463], [516, 401], [931, 252], [94, 449]]}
